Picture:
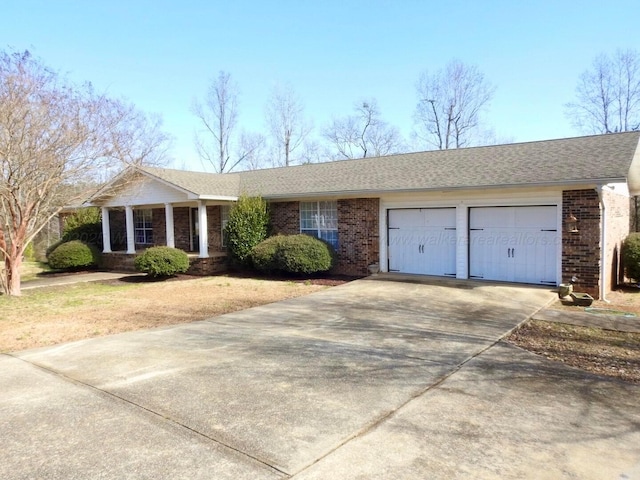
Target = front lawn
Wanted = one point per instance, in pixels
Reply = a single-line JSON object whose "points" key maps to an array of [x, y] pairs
{"points": [[42, 317]]}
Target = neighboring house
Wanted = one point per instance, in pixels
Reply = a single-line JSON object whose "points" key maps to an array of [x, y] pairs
{"points": [[536, 212]]}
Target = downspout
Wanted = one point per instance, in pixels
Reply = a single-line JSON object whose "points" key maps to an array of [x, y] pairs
{"points": [[603, 244]]}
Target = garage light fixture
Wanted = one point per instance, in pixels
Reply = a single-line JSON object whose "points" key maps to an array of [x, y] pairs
{"points": [[572, 223]]}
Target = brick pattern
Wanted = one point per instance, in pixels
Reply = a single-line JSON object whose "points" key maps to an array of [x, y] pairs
{"points": [[619, 225], [122, 262], [358, 231], [159, 225], [358, 235], [181, 228], [285, 218], [214, 228], [581, 250]]}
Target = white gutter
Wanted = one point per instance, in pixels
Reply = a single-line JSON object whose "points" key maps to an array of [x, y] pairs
{"points": [[603, 244]]}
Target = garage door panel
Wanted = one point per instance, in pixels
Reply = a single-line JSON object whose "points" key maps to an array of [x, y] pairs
{"points": [[516, 244], [422, 241]]}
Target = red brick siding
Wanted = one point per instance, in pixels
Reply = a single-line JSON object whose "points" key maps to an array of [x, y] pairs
{"points": [[581, 250], [159, 224], [181, 228], [285, 218], [358, 235], [618, 226], [214, 228], [358, 231]]}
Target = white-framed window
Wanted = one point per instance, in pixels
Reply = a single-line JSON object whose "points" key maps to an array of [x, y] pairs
{"points": [[320, 220], [224, 219], [143, 226]]}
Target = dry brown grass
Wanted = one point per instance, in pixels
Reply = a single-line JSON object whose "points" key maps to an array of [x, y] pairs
{"points": [[43, 317]]}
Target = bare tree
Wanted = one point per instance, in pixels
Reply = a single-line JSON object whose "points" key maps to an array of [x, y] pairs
{"points": [[285, 119], [608, 95], [253, 147], [450, 104], [219, 117], [363, 134], [56, 140]]}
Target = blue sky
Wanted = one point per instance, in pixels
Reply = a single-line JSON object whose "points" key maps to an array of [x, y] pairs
{"points": [[161, 54]]}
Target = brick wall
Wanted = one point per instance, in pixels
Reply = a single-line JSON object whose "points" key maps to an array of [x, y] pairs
{"points": [[214, 228], [618, 226], [581, 249], [358, 231], [358, 235], [285, 218], [181, 228], [159, 225]]}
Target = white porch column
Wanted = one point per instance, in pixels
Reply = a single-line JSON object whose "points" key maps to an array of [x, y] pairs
{"points": [[106, 231], [203, 233], [168, 213], [131, 241]]}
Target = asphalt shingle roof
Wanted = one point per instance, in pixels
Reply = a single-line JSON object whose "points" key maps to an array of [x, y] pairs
{"points": [[573, 160]]}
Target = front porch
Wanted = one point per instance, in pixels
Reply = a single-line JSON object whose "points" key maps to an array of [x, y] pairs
{"points": [[214, 263]]}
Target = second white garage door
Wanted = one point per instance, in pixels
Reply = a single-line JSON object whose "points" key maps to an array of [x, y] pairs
{"points": [[514, 244], [423, 241]]}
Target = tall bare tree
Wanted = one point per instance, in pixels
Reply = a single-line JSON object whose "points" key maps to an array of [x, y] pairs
{"points": [[608, 95], [218, 117], [56, 141], [252, 145], [363, 134], [450, 104], [286, 122]]}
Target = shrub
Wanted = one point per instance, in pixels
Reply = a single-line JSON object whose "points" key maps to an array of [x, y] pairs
{"points": [[293, 254], [247, 227], [72, 255], [162, 261], [264, 255], [84, 224], [631, 256]]}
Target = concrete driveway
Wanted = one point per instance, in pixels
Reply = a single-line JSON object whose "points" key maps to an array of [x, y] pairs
{"points": [[378, 378]]}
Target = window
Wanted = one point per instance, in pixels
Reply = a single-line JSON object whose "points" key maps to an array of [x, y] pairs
{"points": [[224, 219], [143, 227], [320, 220]]}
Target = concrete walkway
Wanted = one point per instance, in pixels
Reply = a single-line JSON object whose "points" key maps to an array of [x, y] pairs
{"points": [[84, 277], [372, 379]]}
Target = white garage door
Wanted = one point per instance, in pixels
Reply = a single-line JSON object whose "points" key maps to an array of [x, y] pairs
{"points": [[422, 241], [514, 244]]}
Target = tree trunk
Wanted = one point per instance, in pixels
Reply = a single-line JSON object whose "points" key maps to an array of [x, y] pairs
{"points": [[12, 273]]}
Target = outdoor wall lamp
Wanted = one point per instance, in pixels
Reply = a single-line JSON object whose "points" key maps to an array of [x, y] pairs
{"points": [[572, 223]]}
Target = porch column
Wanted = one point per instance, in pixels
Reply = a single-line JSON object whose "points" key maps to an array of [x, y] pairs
{"points": [[131, 241], [168, 213], [203, 234], [106, 231]]}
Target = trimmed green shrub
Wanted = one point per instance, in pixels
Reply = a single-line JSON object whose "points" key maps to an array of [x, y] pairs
{"points": [[293, 254], [162, 261], [85, 224], [630, 254], [247, 226], [264, 255], [72, 255]]}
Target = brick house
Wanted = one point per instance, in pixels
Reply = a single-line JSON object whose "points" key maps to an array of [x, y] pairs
{"points": [[536, 212]]}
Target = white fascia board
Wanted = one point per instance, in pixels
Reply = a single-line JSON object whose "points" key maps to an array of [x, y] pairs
{"points": [[589, 183], [222, 198]]}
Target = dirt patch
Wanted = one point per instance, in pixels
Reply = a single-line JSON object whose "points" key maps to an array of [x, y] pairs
{"points": [[43, 317], [604, 352]]}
